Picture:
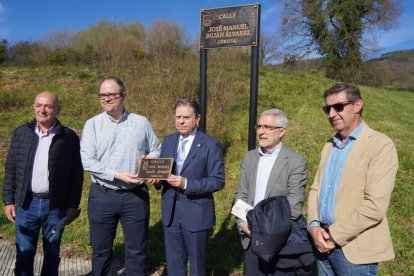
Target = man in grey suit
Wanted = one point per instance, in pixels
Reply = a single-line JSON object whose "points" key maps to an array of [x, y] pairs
{"points": [[270, 170]]}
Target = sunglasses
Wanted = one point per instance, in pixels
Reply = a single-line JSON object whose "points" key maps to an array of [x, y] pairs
{"points": [[338, 107]]}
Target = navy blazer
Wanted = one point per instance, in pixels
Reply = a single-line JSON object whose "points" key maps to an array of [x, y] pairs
{"points": [[204, 170]]}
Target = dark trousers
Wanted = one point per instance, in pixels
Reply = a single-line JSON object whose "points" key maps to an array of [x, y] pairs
{"points": [[255, 266], [182, 244], [105, 209]]}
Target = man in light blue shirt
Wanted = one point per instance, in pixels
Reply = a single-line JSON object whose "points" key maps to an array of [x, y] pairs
{"points": [[332, 176], [351, 191], [112, 146]]}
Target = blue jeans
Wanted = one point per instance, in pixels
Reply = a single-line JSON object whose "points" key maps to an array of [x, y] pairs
{"points": [[33, 215], [335, 263]]}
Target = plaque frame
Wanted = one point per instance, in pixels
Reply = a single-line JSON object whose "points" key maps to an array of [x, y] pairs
{"points": [[235, 26], [154, 168]]}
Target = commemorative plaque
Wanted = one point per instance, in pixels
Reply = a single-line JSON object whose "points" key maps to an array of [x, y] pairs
{"points": [[155, 168], [227, 27]]}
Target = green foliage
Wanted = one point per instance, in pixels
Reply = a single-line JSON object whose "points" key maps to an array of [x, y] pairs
{"points": [[110, 44], [394, 70], [27, 53], [152, 89], [166, 39], [59, 57], [335, 29]]}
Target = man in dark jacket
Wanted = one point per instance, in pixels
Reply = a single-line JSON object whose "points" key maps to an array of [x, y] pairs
{"points": [[42, 184]]}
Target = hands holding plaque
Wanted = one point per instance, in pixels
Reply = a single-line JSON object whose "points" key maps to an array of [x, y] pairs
{"points": [[129, 178], [155, 168]]}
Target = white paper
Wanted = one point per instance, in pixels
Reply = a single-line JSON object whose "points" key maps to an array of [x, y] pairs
{"points": [[240, 209]]}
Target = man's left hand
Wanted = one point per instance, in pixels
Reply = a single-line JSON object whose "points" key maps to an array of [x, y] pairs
{"points": [[72, 214], [177, 181]]}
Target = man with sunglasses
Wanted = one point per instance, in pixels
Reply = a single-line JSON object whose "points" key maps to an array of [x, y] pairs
{"points": [[112, 145], [271, 170], [351, 191]]}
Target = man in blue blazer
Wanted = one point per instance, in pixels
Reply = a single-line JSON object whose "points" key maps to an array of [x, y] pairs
{"points": [[187, 196]]}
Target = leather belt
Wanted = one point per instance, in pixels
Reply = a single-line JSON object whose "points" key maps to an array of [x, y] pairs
{"points": [[40, 195], [325, 226], [118, 191]]}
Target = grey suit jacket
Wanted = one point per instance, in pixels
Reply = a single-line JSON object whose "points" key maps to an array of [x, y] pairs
{"points": [[287, 178]]}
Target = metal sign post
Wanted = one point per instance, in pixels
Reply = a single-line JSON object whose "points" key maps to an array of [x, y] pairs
{"points": [[231, 27]]}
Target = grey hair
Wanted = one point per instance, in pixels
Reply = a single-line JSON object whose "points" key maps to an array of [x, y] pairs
{"points": [[280, 116]]}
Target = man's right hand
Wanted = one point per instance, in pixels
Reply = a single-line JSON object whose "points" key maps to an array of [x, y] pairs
{"points": [[10, 212], [128, 178], [322, 240], [245, 228]]}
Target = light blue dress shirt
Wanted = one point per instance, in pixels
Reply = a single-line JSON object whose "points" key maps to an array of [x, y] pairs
{"points": [[266, 162], [109, 146], [332, 176]]}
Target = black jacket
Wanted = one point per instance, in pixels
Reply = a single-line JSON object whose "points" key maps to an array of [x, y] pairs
{"points": [[65, 167], [270, 226], [298, 252], [275, 238]]}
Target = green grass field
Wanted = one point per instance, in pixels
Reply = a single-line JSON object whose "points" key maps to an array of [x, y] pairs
{"points": [[152, 90]]}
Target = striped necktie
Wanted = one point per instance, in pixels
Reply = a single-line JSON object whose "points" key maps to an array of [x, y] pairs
{"points": [[181, 156]]}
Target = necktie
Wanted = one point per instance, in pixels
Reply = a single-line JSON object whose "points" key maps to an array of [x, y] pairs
{"points": [[180, 156]]}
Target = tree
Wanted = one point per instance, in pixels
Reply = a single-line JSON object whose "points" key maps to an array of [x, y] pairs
{"points": [[3, 50], [167, 38], [110, 44], [59, 40], [269, 48], [335, 29], [25, 53]]}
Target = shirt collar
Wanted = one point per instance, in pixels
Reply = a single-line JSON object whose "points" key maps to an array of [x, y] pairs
{"points": [[270, 152], [190, 137], [51, 130], [123, 117], [353, 136]]}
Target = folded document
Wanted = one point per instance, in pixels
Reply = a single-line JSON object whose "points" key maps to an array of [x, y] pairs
{"points": [[240, 209]]}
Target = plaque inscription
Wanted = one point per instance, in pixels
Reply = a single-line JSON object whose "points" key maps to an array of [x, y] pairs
{"points": [[155, 168], [227, 27]]}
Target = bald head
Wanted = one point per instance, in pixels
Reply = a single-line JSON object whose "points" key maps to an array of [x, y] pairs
{"points": [[49, 95], [46, 107]]}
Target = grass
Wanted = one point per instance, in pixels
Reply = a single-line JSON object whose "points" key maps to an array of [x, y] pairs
{"points": [[153, 88]]}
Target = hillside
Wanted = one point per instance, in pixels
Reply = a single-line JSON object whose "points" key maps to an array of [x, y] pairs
{"points": [[393, 69], [152, 90]]}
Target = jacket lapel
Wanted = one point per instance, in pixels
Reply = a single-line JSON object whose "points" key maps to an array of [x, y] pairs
{"points": [[174, 146], [357, 153], [195, 147], [277, 168], [253, 177]]}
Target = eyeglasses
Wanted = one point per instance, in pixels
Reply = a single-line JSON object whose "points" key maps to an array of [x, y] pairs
{"points": [[266, 127], [110, 96], [338, 107]]}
